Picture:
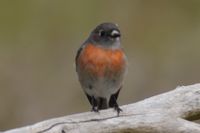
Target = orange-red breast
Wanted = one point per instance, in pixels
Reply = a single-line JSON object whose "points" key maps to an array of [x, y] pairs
{"points": [[101, 65]]}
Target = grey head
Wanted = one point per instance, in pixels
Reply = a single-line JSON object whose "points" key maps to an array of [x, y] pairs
{"points": [[106, 35]]}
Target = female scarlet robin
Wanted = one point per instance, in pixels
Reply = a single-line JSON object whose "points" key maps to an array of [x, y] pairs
{"points": [[101, 65]]}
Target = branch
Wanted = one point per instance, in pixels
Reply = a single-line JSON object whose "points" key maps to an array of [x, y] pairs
{"points": [[165, 113]]}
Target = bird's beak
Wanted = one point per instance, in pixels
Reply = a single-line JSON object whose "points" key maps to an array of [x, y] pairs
{"points": [[115, 34]]}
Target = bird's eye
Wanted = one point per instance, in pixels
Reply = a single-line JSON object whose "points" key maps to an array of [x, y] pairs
{"points": [[102, 33]]}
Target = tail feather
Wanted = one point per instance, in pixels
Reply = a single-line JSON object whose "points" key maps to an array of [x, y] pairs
{"points": [[102, 103]]}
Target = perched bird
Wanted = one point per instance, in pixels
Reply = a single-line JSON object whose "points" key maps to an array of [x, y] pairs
{"points": [[101, 65]]}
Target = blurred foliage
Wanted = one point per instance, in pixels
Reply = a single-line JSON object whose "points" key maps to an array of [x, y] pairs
{"points": [[39, 39]]}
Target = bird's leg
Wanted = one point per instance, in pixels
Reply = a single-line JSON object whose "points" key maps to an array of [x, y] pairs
{"points": [[94, 105], [114, 104], [117, 108]]}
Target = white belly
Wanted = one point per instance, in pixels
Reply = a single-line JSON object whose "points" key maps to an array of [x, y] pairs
{"points": [[104, 87]]}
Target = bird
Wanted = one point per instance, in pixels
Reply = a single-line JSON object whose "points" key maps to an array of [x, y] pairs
{"points": [[101, 66]]}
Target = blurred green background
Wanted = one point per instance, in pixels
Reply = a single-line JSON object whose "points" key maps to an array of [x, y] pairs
{"points": [[39, 40]]}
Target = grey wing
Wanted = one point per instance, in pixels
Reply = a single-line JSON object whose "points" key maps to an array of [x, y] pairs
{"points": [[78, 54]]}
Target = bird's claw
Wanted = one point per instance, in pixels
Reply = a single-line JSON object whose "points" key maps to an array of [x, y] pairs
{"points": [[118, 110], [95, 109]]}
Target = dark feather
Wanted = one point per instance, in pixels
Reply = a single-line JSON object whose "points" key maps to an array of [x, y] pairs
{"points": [[102, 103], [89, 98], [78, 54], [113, 99], [99, 102]]}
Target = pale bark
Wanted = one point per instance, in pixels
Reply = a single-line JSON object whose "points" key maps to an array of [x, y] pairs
{"points": [[170, 112]]}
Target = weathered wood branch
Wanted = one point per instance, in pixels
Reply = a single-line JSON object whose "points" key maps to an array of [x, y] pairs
{"points": [[170, 112]]}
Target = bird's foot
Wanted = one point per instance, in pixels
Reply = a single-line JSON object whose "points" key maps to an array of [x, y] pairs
{"points": [[95, 109], [118, 110]]}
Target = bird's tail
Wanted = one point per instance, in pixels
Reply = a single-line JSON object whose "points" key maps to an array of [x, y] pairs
{"points": [[103, 104]]}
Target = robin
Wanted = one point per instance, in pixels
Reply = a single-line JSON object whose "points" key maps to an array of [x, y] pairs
{"points": [[101, 65]]}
